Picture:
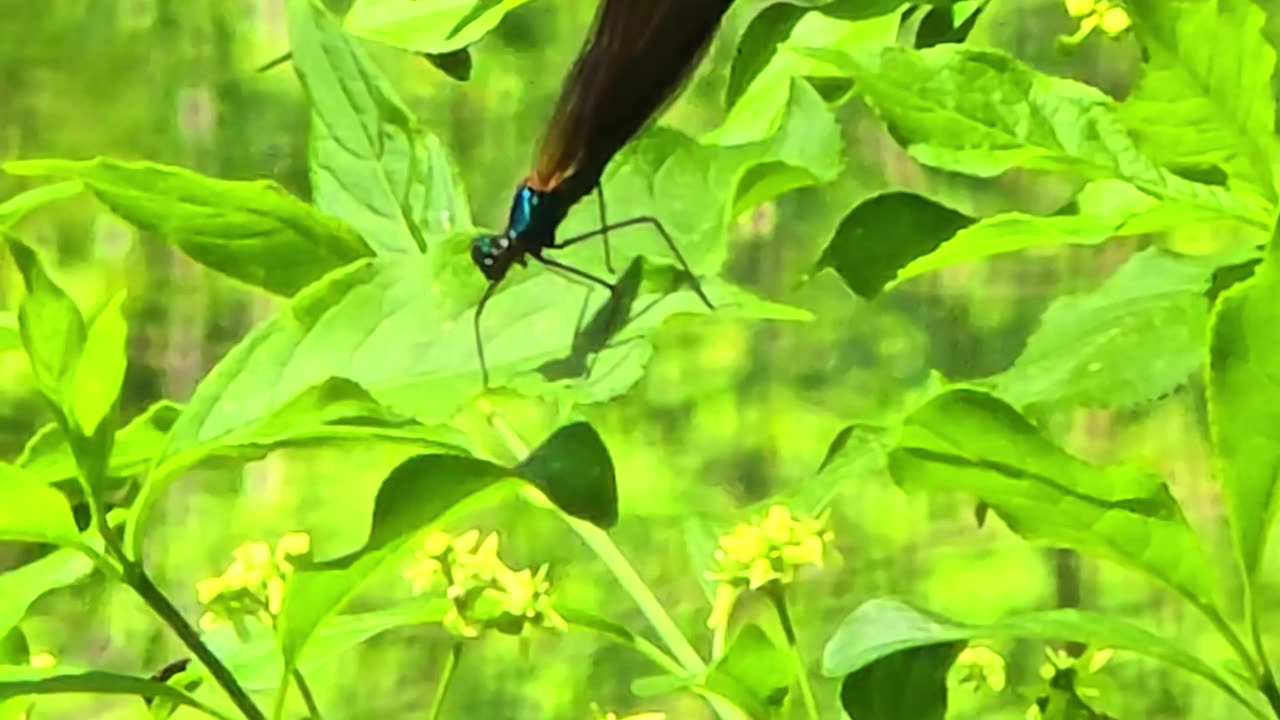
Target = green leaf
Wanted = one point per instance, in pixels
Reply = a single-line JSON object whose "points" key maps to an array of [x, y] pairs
{"points": [[367, 156], [967, 441], [31, 511], [20, 205], [754, 673], [100, 370], [23, 585], [48, 457], [981, 112], [1205, 96], [51, 325], [881, 628], [13, 647], [1134, 339], [332, 411], [403, 329], [436, 27], [1244, 376], [18, 681], [254, 232], [908, 685], [422, 490], [883, 234]]}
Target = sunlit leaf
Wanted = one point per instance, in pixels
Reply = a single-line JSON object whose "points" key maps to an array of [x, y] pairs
{"points": [[31, 511], [981, 112], [332, 411], [881, 628], [1244, 379], [966, 441], [436, 27], [754, 673], [367, 156], [1205, 96], [1136, 338], [253, 231], [100, 370]]}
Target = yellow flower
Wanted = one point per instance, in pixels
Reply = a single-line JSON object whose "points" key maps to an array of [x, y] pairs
{"points": [[1080, 8], [43, 660], [1115, 21]]}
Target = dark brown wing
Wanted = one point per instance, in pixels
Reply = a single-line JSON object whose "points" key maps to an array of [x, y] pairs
{"points": [[638, 54]]}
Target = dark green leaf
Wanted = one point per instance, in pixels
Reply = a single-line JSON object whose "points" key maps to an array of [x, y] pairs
{"points": [[455, 63], [963, 440], [51, 325], [254, 231], [13, 647], [1244, 378], [18, 681], [909, 685], [574, 470], [884, 234]]}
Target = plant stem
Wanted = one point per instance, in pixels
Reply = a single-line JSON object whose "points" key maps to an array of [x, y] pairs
{"points": [[777, 594], [446, 674], [308, 699], [136, 578], [1267, 678]]}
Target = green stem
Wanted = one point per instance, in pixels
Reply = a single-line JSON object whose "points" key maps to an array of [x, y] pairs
{"points": [[446, 675], [1267, 678], [308, 699], [136, 578], [92, 463], [777, 594]]}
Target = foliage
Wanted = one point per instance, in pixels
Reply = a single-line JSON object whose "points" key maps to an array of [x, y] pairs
{"points": [[371, 346]]}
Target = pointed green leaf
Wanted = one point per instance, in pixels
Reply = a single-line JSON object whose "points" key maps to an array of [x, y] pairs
{"points": [[966, 441], [1244, 379], [754, 673], [51, 325], [47, 456], [254, 231], [981, 112], [881, 628], [1134, 339], [18, 681], [1205, 96], [100, 370], [436, 27], [883, 234], [18, 206], [31, 511]]}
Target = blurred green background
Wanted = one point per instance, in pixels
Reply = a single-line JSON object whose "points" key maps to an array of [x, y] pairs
{"points": [[728, 415]]}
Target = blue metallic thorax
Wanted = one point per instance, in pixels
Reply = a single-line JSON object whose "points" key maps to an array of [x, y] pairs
{"points": [[531, 226]]}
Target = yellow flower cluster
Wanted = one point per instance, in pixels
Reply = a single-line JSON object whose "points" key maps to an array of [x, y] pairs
{"points": [[483, 592], [253, 584], [753, 555], [980, 668], [1110, 15]]}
